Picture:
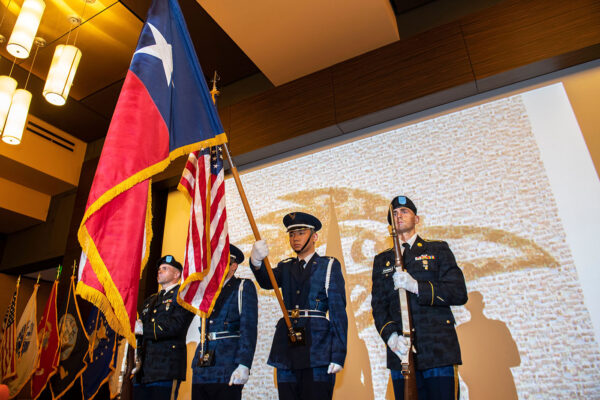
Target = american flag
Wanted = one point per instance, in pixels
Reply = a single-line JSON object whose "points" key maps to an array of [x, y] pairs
{"points": [[207, 247], [8, 345]]}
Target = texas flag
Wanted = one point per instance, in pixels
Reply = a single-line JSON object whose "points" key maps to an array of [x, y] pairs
{"points": [[164, 111]]}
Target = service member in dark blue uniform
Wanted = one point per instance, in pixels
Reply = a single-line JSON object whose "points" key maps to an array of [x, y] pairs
{"points": [[433, 284], [161, 331], [231, 338], [314, 293]]}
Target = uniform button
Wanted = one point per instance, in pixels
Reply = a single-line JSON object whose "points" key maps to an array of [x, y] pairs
{"points": [[173, 346], [447, 321], [295, 321], [152, 319], [297, 292], [154, 311], [210, 321]]}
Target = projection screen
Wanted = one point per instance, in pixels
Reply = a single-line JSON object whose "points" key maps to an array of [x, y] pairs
{"points": [[509, 184]]}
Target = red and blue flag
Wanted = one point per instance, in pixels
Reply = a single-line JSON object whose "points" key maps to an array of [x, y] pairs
{"points": [[164, 111]]}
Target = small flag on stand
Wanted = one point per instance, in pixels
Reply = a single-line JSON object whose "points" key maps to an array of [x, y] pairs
{"points": [[49, 350], [26, 347], [9, 335], [101, 356], [73, 346]]}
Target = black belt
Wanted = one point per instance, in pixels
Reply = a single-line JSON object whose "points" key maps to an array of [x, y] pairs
{"points": [[222, 335], [296, 313]]}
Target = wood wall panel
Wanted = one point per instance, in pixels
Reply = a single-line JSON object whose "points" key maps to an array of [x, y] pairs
{"points": [[517, 33], [431, 62], [285, 112]]}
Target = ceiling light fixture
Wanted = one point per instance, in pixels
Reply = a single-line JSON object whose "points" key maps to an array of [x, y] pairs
{"points": [[64, 65], [62, 71], [8, 85], [12, 132], [23, 34]]}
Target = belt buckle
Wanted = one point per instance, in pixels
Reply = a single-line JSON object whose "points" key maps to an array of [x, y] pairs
{"points": [[212, 335], [295, 313]]}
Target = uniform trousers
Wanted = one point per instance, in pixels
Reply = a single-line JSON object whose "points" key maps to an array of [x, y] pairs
{"points": [[440, 383], [161, 390], [305, 384], [221, 391]]}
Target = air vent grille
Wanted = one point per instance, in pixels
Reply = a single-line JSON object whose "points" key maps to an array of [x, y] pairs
{"points": [[50, 136]]}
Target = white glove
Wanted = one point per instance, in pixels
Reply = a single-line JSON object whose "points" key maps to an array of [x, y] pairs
{"points": [[139, 327], [402, 279], [240, 375], [334, 368], [260, 251], [399, 345], [392, 341]]}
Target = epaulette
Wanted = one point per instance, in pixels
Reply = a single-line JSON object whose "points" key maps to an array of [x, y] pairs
{"points": [[431, 240], [287, 260]]}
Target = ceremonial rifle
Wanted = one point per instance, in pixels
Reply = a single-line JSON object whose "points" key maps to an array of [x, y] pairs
{"points": [[409, 370]]}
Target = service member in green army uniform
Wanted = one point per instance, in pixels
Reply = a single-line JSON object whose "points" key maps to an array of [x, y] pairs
{"points": [[161, 332], [433, 283]]}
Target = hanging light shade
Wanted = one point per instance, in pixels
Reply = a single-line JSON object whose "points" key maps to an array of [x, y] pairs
{"points": [[7, 90], [21, 38], [62, 71], [17, 117]]}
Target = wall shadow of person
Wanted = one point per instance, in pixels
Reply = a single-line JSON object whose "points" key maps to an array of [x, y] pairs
{"points": [[488, 352]]}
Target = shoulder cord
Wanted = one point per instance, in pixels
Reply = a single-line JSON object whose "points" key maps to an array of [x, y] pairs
{"points": [[328, 276]]}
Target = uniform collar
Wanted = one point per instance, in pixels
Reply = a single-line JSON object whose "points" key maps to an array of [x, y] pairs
{"points": [[412, 240], [308, 257], [167, 288]]}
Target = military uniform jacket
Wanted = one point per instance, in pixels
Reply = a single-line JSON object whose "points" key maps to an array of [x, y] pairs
{"points": [[305, 289], [226, 317], [441, 285], [163, 346]]}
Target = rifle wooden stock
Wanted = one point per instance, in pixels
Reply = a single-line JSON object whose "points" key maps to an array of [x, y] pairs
{"points": [[409, 369]]}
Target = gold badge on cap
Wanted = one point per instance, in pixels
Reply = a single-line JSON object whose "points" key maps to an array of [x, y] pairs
{"points": [[387, 264]]}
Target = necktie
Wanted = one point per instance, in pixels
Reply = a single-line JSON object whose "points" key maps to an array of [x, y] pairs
{"points": [[405, 252], [300, 267]]}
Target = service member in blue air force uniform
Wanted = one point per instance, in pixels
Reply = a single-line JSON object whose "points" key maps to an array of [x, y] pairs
{"points": [[433, 283], [314, 293], [161, 332], [231, 338]]}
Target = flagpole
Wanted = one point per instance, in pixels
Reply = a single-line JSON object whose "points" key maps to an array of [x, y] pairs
{"points": [[293, 335]]}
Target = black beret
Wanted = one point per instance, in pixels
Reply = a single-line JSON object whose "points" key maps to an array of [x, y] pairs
{"points": [[299, 220], [401, 201], [170, 260], [236, 253]]}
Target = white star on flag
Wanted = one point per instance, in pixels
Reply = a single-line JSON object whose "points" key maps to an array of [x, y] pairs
{"points": [[161, 50]]}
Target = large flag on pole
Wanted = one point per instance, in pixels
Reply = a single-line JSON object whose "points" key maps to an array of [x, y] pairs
{"points": [[164, 111], [49, 354], [207, 247], [9, 335], [27, 346]]}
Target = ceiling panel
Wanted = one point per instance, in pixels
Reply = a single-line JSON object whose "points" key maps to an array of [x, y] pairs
{"points": [[288, 40]]}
